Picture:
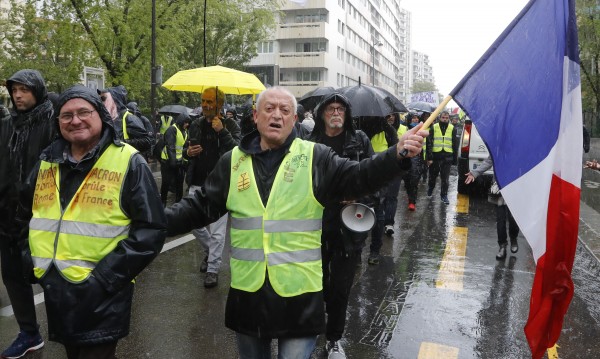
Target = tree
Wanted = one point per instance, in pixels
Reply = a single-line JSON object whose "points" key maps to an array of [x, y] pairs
{"points": [[589, 52], [422, 86]]}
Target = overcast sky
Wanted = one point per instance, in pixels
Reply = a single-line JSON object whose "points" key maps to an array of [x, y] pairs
{"points": [[455, 33]]}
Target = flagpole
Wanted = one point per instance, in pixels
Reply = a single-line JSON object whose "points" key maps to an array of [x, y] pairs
{"points": [[430, 119]]}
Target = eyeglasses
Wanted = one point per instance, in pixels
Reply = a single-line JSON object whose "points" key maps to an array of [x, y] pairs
{"points": [[81, 114], [331, 110]]}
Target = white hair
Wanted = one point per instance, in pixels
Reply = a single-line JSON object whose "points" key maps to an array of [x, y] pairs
{"points": [[280, 89]]}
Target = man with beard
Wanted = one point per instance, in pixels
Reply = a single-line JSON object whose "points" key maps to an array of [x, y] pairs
{"points": [[23, 138], [442, 145]]}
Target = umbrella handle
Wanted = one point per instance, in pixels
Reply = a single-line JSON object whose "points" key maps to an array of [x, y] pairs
{"points": [[430, 119]]}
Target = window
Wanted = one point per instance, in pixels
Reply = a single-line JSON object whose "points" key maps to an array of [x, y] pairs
{"points": [[265, 47]]}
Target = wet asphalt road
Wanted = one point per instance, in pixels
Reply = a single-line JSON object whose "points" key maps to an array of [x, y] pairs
{"points": [[438, 293]]}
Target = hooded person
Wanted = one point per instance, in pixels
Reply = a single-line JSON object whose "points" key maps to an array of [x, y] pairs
{"points": [[341, 248], [24, 136], [85, 180], [134, 108], [129, 127], [172, 163]]}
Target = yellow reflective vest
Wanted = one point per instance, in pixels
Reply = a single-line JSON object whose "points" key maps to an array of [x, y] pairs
{"points": [[165, 123], [179, 142], [401, 130], [442, 142], [91, 225], [283, 238], [379, 142]]}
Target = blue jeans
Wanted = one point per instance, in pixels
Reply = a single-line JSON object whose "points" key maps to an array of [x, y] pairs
{"points": [[288, 348]]}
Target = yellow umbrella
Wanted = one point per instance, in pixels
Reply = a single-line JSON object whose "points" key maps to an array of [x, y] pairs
{"points": [[228, 80]]}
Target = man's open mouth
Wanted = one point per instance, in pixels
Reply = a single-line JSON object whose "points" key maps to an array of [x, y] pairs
{"points": [[275, 125]]}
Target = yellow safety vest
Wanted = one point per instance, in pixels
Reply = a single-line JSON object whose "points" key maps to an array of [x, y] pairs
{"points": [[165, 123], [283, 238], [401, 130], [442, 142], [91, 225], [179, 142], [125, 134], [379, 142]]}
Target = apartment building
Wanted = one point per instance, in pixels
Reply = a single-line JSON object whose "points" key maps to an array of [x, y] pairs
{"points": [[338, 43], [420, 68]]}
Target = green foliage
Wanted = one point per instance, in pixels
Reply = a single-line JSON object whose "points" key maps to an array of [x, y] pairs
{"points": [[588, 20], [60, 37], [422, 86]]}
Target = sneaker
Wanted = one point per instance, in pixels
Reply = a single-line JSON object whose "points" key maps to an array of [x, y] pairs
{"points": [[24, 344], [211, 280], [389, 230], [514, 246], [429, 192], [501, 253], [204, 265], [373, 259], [411, 207], [334, 350], [445, 199]]}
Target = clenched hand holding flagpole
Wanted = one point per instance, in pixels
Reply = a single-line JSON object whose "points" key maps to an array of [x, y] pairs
{"points": [[524, 96]]}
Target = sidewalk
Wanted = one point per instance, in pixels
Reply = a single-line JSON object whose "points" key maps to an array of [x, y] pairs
{"points": [[589, 213]]}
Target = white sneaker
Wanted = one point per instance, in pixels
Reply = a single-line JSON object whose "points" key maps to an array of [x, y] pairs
{"points": [[389, 230], [334, 350]]}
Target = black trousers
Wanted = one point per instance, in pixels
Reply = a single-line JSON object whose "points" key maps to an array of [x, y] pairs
{"points": [[440, 166], [339, 266], [19, 290], [99, 351], [502, 216], [171, 175]]}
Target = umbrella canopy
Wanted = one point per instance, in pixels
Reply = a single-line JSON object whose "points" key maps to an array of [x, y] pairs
{"points": [[228, 80], [311, 99], [422, 106], [174, 109], [371, 101]]}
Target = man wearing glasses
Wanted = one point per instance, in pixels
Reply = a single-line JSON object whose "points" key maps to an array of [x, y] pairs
{"points": [[340, 248], [23, 137], [95, 222]]}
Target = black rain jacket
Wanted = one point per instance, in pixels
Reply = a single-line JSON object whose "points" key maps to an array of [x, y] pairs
{"points": [[334, 178], [138, 135], [31, 132], [98, 310]]}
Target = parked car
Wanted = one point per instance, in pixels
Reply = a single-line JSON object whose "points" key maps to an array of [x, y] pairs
{"points": [[472, 153]]}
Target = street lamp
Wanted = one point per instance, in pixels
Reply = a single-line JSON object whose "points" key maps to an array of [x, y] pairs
{"points": [[379, 43]]}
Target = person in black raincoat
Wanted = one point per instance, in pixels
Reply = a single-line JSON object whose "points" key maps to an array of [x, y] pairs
{"points": [[172, 164], [259, 316], [134, 109], [22, 139], [91, 170], [129, 127], [341, 249]]}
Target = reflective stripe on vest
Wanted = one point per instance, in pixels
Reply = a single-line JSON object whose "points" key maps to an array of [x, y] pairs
{"points": [[179, 142], [125, 134], [442, 142], [282, 238], [91, 225], [379, 142], [165, 123]]}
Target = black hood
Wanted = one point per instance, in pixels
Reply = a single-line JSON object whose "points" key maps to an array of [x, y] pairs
{"points": [[91, 96], [319, 119], [119, 95], [32, 79], [181, 119], [134, 109]]}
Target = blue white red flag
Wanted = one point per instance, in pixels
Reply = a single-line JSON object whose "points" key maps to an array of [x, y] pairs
{"points": [[524, 96]]}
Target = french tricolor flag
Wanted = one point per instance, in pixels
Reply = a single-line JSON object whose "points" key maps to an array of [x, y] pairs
{"points": [[524, 96]]}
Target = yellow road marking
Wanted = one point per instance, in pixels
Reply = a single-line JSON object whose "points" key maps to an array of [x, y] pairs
{"points": [[462, 203], [553, 352], [452, 267], [436, 351]]}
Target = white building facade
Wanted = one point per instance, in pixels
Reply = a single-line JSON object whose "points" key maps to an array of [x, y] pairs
{"points": [[338, 43]]}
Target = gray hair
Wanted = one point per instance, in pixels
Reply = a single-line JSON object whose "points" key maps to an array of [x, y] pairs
{"points": [[280, 89]]}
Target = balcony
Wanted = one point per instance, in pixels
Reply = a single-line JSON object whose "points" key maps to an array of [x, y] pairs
{"points": [[307, 30], [291, 60]]}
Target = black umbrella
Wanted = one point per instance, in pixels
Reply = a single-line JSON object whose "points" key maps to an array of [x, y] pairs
{"points": [[422, 106], [174, 109], [371, 101], [311, 99]]}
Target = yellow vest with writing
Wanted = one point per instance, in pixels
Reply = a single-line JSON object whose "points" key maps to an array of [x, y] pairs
{"points": [[283, 238], [442, 141], [92, 224]]}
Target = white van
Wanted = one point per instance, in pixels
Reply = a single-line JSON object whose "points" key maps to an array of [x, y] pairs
{"points": [[472, 153]]}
